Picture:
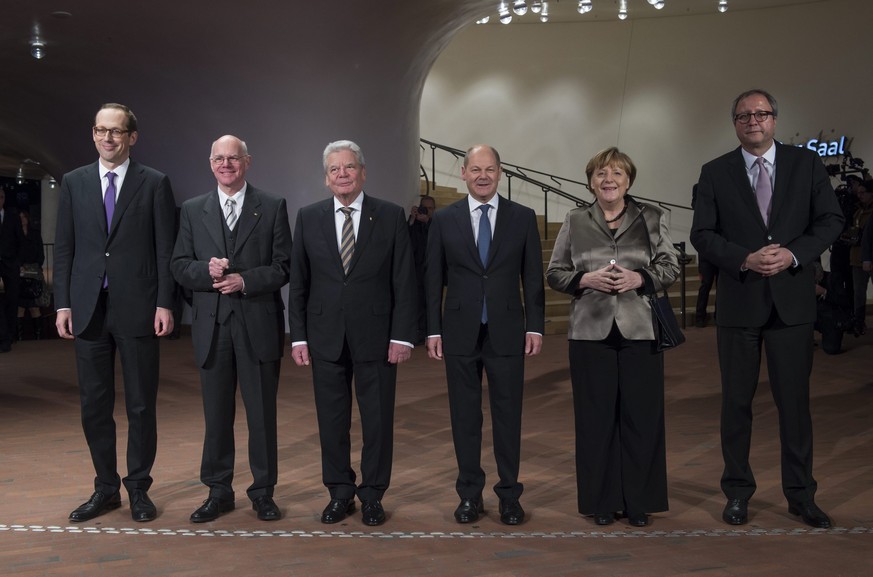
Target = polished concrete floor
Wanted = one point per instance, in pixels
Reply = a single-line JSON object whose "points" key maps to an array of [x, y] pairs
{"points": [[45, 472]]}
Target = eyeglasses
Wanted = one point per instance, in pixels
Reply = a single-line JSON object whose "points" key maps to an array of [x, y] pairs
{"points": [[220, 159], [115, 132], [760, 116]]}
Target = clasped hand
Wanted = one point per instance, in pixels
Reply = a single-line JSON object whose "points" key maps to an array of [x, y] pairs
{"points": [[225, 284], [769, 260], [612, 278]]}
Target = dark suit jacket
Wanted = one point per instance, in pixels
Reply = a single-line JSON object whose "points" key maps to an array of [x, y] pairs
{"points": [[805, 218], [375, 303], [262, 258], [453, 262], [11, 238], [135, 254]]}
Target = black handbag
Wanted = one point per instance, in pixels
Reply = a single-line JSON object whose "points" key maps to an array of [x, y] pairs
{"points": [[667, 331]]}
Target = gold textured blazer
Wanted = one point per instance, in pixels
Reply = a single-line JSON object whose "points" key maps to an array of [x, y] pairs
{"points": [[585, 243]]}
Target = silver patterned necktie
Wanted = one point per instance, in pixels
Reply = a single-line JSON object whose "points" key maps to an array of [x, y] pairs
{"points": [[230, 212], [347, 244], [763, 190]]}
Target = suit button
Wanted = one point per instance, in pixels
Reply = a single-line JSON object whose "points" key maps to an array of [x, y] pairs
{"points": [[485, 276], [107, 254]]}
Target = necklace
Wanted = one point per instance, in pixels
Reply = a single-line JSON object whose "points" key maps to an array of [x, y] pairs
{"points": [[621, 214]]}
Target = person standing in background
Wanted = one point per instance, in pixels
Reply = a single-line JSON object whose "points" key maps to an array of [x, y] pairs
{"points": [[10, 246]]}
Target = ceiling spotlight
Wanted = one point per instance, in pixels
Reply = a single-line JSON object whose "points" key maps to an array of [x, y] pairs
{"points": [[483, 20], [20, 175], [622, 10], [722, 6], [544, 15], [536, 6], [584, 6], [37, 48], [52, 182], [658, 5], [505, 14], [519, 7]]}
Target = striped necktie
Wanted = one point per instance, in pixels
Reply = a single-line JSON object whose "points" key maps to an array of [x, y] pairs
{"points": [[230, 212], [347, 246]]}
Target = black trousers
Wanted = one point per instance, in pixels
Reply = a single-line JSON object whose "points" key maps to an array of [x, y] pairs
{"points": [[231, 360], [789, 363], [505, 392], [375, 385], [618, 402], [96, 349]]}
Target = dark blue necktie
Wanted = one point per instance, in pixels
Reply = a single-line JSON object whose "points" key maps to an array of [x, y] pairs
{"points": [[484, 242]]}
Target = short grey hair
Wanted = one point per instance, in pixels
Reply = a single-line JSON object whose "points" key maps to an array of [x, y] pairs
{"points": [[342, 145]]}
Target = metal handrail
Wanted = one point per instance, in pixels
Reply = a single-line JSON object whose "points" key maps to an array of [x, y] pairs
{"points": [[515, 171]]}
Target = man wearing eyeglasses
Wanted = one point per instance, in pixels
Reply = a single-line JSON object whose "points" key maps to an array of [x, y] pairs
{"points": [[233, 253], [114, 296], [765, 211]]}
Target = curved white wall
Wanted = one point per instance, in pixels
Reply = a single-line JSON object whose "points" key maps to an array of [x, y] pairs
{"points": [[550, 96]]}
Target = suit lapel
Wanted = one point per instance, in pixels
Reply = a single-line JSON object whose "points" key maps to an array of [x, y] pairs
{"points": [[365, 230], [132, 184], [213, 221], [737, 172], [780, 187], [92, 190], [328, 229], [464, 226], [501, 220], [249, 216]]}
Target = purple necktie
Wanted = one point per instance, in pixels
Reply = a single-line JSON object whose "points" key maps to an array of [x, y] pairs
{"points": [[109, 205], [109, 199], [763, 190]]}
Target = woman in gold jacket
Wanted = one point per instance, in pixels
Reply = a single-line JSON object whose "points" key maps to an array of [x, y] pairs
{"points": [[611, 256]]}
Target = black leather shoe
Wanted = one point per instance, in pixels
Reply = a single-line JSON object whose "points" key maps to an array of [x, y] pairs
{"points": [[637, 519], [98, 504], [211, 509], [141, 507], [811, 515], [736, 512], [604, 518], [511, 512], [266, 508], [372, 513], [337, 510], [469, 510]]}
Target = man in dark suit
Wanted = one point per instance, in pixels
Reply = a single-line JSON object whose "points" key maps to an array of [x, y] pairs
{"points": [[480, 258], [352, 315], [114, 294], [11, 241], [233, 252], [765, 211]]}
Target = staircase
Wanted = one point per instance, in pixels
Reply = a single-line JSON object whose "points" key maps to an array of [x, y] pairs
{"points": [[557, 303]]}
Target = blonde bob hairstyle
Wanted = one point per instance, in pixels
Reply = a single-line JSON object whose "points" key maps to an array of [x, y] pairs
{"points": [[612, 156]]}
